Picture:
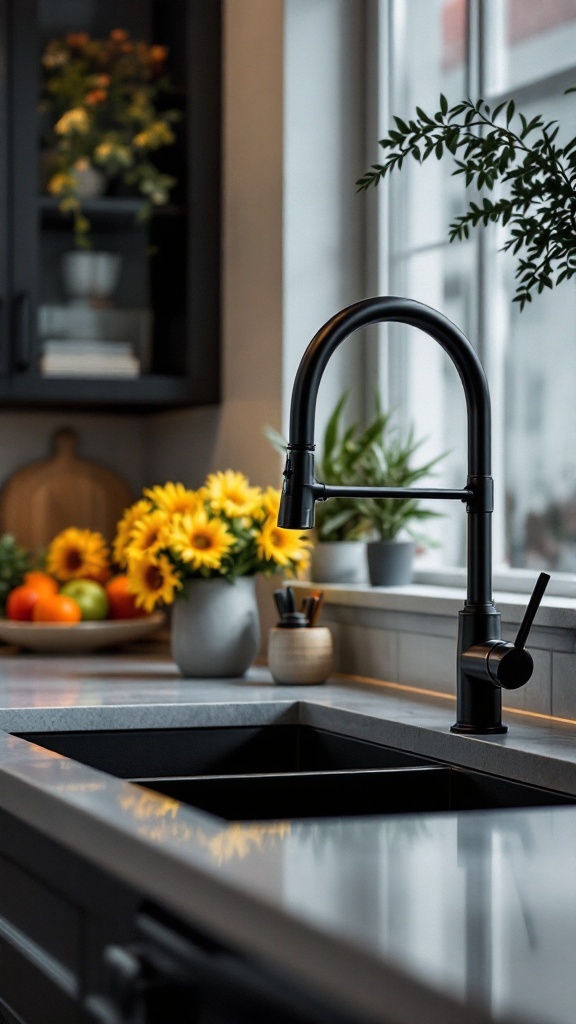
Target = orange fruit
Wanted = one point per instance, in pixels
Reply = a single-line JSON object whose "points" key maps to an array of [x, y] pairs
{"points": [[56, 608], [122, 604], [21, 601], [41, 581]]}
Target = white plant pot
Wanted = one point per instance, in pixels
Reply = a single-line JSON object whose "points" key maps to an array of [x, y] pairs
{"points": [[339, 561], [90, 275]]}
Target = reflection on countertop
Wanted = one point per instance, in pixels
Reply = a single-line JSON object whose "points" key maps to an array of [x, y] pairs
{"points": [[464, 917]]}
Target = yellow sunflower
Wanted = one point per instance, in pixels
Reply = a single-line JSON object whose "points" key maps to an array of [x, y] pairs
{"points": [[148, 533], [75, 554], [271, 502], [125, 526], [200, 541], [152, 580], [175, 498], [230, 493], [282, 546]]}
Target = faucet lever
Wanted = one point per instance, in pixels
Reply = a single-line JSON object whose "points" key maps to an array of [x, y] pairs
{"points": [[532, 608], [507, 665]]}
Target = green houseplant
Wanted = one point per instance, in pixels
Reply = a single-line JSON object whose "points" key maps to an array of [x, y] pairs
{"points": [[376, 455], [536, 198]]}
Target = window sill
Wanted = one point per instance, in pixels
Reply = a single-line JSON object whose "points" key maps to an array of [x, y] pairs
{"points": [[429, 599]]}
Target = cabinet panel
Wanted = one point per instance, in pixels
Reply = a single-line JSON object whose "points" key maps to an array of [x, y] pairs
{"points": [[133, 321]]}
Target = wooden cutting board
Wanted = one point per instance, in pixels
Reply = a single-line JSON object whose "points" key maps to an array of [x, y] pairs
{"points": [[45, 497]]}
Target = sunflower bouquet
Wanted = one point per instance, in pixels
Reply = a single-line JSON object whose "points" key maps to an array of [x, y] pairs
{"points": [[226, 528]]}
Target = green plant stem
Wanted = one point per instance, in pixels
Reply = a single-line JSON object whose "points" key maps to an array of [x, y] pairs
{"points": [[539, 176]]}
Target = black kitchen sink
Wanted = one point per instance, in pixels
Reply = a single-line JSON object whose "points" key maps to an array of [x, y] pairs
{"points": [[355, 792], [273, 772], [221, 750]]}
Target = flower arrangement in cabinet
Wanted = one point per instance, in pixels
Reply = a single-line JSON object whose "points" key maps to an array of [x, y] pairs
{"points": [[102, 100]]}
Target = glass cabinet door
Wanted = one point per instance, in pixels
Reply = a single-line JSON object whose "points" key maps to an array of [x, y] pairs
{"points": [[115, 198]]}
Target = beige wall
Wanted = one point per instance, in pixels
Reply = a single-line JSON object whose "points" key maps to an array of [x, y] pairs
{"points": [[292, 139], [187, 444]]}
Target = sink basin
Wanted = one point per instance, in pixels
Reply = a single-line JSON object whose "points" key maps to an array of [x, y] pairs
{"points": [[355, 792], [288, 771], [221, 750]]}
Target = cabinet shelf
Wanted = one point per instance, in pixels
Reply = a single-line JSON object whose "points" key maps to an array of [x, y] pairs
{"points": [[112, 209]]}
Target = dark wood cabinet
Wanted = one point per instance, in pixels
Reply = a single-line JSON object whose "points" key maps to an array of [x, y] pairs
{"points": [[165, 305]]}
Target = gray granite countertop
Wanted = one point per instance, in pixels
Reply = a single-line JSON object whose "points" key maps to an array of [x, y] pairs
{"points": [[454, 917]]}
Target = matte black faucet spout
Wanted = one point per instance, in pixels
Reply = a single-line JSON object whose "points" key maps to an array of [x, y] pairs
{"points": [[484, 662]]}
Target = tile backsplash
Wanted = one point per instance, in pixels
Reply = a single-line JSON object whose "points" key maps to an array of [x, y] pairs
{"points": [[409, 637]]}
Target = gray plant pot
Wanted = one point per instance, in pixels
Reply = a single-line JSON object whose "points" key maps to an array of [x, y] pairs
{"points": [[215, 628], [390, 562], [339, 561]]}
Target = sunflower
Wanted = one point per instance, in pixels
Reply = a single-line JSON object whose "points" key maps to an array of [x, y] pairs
{"points": [[230, 493], [175, 498], [75, 554], [282, 546], [124, 529], [271, 502], [152, 580], [200, 541], [148, 533]]}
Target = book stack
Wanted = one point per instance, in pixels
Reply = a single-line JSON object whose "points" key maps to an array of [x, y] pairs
{"points": [[68, 358]]}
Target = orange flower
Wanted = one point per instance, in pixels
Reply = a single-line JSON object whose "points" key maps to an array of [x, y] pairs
{"points": [[95, 96], [119, 35], [157, 54], [76, 40]]}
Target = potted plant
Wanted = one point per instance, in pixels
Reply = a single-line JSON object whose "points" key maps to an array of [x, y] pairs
{"points": [[392, 523], [339, 552], [361, 538]]}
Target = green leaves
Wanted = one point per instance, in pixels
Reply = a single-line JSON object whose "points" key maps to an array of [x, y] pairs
{"points": [[536, 181], [14, 562], [377, 455]]}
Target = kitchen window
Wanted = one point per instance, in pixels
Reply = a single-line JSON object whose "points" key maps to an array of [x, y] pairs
{"points": [[523, 49]]}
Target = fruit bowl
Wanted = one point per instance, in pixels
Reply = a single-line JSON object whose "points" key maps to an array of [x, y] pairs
{"points": [[63, 638]]}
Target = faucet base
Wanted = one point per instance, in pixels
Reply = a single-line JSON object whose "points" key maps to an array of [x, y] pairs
{"points": [[478, 730]]}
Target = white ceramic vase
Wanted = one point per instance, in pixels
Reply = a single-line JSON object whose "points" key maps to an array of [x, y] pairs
{"points": [[215, 629], [90, 275]]}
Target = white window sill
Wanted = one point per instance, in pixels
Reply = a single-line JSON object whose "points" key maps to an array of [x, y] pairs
{"points": [[428, 599]]}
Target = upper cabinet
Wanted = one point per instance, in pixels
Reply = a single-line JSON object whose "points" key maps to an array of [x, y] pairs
{"points": [[110, 203]]}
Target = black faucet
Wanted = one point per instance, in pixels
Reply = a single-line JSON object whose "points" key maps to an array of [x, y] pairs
{"points": [[485, 663]]}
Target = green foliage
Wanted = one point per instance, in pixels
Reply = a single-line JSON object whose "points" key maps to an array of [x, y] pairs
{"points": [[377, 455], [500, 146], [14, 562], [343, 453]]}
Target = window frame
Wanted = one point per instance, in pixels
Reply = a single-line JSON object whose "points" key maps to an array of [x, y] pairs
{"points": [[380, 229]]}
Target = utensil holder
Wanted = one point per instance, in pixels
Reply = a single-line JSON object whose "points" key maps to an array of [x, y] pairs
{"points": [[300, 656]]}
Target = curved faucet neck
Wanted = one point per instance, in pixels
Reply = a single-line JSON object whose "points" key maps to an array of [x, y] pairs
{"points": [[415, 314]]}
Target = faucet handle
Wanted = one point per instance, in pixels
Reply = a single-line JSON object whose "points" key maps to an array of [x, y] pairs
{"points": [[510, 665], [532, 608]]}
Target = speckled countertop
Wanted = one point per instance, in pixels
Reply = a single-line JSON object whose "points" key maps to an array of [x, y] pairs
{"points": [[453, 918]]}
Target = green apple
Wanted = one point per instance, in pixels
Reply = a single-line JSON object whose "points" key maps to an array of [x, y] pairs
{"points": [[89, 595]]}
